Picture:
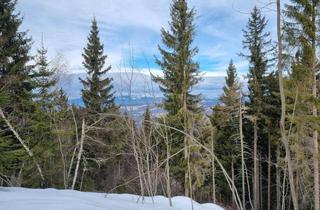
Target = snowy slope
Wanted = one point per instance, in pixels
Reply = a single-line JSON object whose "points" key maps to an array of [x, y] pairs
{"points": [[51, 199]]}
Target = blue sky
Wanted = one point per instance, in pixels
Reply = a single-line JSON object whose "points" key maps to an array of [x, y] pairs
{"points": [[134, 25]]}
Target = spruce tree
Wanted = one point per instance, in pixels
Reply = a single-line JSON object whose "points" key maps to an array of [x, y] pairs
{"points": [[225, 118], [271, 137], [97, 89], [181, 74], [60, 101], [147, 122], [14, 55], [98, 97], [42, 128], [44, 80], [257, 42], [302, 33], [231, 92], [15, 83]]}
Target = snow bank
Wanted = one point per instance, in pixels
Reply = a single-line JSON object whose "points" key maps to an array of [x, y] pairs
{"points": [[52, 199]]}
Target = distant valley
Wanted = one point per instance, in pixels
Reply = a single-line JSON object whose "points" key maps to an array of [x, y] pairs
{"points": [[135, 92]]}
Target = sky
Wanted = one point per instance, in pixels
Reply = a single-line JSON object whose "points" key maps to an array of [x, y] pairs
{"points": [[130, 30]]}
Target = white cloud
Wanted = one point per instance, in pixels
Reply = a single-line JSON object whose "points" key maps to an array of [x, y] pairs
{"points": [[135, 23]]}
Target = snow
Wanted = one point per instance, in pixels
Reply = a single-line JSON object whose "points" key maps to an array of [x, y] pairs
{"points": [[52, 199]]}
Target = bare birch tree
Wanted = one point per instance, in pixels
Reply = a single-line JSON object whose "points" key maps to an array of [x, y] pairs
{"points": [[284, 138]]}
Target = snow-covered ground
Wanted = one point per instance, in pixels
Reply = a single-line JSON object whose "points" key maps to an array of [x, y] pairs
{"points": [[52, 199]]}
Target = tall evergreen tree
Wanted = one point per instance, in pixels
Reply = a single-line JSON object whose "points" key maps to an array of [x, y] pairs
{"points": [[41, 133], [257, 43], [97, 89], [270, 140], [15, 83], [98, 97], [181, 74], [225, 118], [44, 80], [231, 91], [302, 33]]}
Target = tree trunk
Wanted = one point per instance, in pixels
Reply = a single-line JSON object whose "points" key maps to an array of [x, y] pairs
{"points": [[185, 141], [186, 183], [260, 183], [256, 191], [138, 161], [79, 154], [269, 174], [242, 156], [168, 173], [65, 179], [316, 151], [190, 181], [315, 114], [283, 112], [213, 170], [232, 179], [278, 179]]}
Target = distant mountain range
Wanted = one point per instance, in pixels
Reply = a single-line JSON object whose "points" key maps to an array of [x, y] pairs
{"points": [[136, 91]]}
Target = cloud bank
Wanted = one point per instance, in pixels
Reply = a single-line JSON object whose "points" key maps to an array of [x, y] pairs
{"points": [[135, 25]]}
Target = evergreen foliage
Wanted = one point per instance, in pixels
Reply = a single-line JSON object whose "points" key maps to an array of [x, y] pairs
{"points": [[257, 42], [44, 80], [187, 149], [15, 83], [97, 90], [225, 118], [181, 72], [302, 34]]}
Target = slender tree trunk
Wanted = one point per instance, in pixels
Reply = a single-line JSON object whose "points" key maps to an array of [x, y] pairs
{"points": [[149, 162], [156, 170], [283, 200], [232, 179], [256, 191], [75, 148], [186, 183], [242, 156], [71, 165], [168, 173], [82, 178], [65, 179], [283, 112], [213, 169], [269, 174], [278, 179], [79, 154], [260, 183], [168, 183], [186, 142], [290, 169], [137, 159], [190, 180], [315, 114], [316, 151]]}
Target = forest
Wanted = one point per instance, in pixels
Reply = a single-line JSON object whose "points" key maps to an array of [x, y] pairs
{"points": [[258, 148]]}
